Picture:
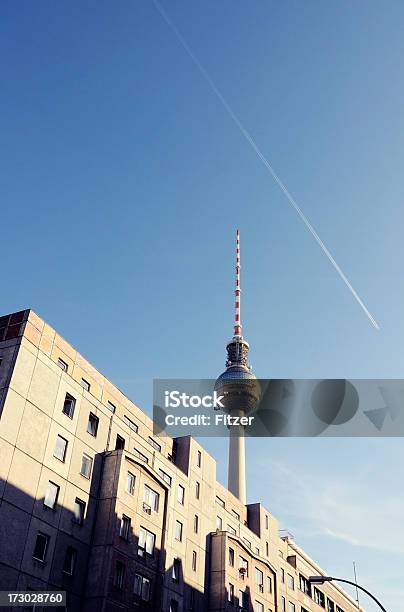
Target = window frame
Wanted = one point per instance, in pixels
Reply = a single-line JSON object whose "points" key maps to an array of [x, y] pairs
{"points": [[73, 558], [143, 550], [154, 444], [90, 462], [92, 424], [72, 401], [151, 495], [81, 504], [130, 477], [57, 487], [41, 534], [85, 384], [179, 527], [181, 494], [62, 364], [124, 527], [131, 424], [143, 580], [119, 577], [58, 436]]}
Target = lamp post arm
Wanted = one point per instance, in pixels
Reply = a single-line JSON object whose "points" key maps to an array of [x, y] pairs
{"points": [[362, 589]]}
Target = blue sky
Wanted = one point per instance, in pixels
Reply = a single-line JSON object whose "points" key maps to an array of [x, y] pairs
{"points": [[123, 180]]}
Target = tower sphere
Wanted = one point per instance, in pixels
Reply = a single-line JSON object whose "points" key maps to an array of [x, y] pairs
{"points": [[238, 384]]}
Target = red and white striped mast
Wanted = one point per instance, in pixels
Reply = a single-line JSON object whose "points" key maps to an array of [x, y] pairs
{"points": [[237, 321]]}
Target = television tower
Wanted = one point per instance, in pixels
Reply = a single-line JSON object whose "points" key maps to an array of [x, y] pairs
{"points": [[241, 391]]}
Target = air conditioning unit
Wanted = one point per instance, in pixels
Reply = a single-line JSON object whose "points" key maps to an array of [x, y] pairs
{"points": [[261, 588], [146, 508]]}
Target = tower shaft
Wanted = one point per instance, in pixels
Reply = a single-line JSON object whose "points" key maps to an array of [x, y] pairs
{"points": [[236, 472]]}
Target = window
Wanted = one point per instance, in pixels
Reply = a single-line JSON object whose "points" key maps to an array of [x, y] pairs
{"points": [[330, 605], [150, 499], [304, 585], [141, 587], [140, 455], [41, 546], [120, 442], [198, 458], [62, 365], [70, 560], [178, 531], [130, 483], [269, 584], [267, 549], [291, 607], [236, 514], [282, 574], [319, 597], [111, 407], [197, 489], [165, 477], [339, 609], [51, 495], [86, 466], [266, 522], [220, 502], [219, 523], [180, 494], [85, 384], [291, 582], [243, 567], [243, 599], [194, 560], [69, 405], [231, 557], [196, 523], [154, 444], [60, 449], [259, 579], [176, 570], [124, 527], [79, 511], [119, 574], [259, 607], [247, 542], [146, 542], [231, 530], [230, 593], [173, 606], [283, 604], [130, 424], [92, 425]]}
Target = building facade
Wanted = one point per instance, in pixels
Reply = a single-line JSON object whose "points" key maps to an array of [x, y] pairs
{"points": [[92, 503]]}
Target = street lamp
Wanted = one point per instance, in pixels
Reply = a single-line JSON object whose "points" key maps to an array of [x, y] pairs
{"points": [[322, 579]]}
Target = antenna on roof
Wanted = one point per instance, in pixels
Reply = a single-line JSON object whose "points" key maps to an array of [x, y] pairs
{"points": [[356, 585]]}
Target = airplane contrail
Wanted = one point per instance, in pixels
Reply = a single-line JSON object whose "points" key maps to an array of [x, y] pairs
{"points": [[265, 161]]}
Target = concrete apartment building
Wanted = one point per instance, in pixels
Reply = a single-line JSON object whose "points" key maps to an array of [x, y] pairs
{"points": [[92, 503]]}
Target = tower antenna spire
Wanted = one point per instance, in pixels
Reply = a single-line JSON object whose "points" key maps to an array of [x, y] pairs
{"points": [[237, 320]]}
